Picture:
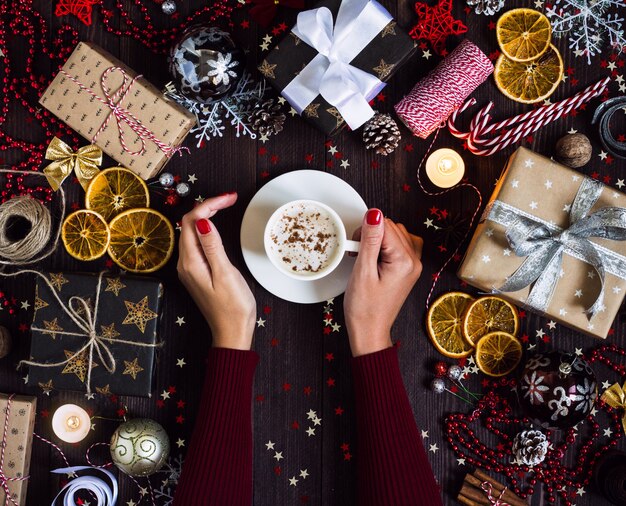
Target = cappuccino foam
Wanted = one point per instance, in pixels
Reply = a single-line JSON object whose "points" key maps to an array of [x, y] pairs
{"points": [[304, 238]]}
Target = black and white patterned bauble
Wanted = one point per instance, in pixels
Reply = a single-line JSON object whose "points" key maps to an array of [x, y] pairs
{"points": [[206, 64], [557, 389]]}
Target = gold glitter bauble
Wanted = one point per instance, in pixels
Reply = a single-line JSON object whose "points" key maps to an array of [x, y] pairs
{"points": [[140, 447]]}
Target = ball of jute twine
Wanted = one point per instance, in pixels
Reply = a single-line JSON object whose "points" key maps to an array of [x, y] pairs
{"points": [[32, 247]]}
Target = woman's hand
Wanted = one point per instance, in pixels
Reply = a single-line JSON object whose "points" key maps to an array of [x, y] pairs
{"points": [[217, 287], [387, 267]]}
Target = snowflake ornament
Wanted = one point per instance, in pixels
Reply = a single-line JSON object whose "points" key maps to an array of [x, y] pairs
{"points": [[211, 117], [221, 69], [588, 25]]}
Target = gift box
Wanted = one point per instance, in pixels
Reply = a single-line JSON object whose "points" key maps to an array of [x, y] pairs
{"points": [[17, 414], [552, 240], [366, 47], [95, 333], [127, 117]]}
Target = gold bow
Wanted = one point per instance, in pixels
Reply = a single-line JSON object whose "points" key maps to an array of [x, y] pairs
{"points": [[615, 396], [84, 163]]}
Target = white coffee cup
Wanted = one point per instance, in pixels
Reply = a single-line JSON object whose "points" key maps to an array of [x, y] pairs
{"points": [[304, 264]]}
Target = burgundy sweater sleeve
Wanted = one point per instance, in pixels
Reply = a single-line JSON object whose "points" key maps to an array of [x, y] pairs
{"points": [[218, 466], [392, 466]]}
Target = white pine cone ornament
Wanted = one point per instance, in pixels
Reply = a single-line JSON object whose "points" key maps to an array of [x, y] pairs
{"points": [[530, 447], [486, 7], [382, 134]]}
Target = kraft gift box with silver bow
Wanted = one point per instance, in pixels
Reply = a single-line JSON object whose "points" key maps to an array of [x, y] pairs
{"points": [[106, 102], [554, 241], [336, 59]]}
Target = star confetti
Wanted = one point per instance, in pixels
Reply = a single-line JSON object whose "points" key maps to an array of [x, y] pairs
{"points": [[435, 24]]}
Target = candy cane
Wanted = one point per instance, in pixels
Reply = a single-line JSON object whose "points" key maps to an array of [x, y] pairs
{"points": [[526, 123]]}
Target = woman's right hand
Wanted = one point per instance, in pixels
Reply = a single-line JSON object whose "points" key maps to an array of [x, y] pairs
{"points": [[218, 288], [386, 269]]}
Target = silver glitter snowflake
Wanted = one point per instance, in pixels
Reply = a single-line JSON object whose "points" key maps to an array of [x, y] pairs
{"points": [[171, 471], [588, 25], [211, 118]]}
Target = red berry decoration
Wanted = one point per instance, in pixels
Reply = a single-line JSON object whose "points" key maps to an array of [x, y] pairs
{"points": [[441, 369], [557, 389]]}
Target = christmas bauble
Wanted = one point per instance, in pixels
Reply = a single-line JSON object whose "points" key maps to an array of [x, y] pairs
{"points": [[168, 7], [166, 180], [140, 447], [557, 389], [206, 64]]}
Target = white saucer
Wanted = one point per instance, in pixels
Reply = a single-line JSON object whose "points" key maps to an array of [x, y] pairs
{"points": [[299, 184]]}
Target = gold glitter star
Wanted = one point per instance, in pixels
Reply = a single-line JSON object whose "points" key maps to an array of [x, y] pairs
{"points": [[108, 331], [334, 112], [114, 285], [132, 368], [52, 327], [58, 280], [390, 29], [139, 314], [311, 110], [105, 390], [46, 387], [383, 69], [267, 69], [78, 364]]}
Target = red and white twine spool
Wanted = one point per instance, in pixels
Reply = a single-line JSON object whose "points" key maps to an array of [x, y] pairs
{"points": [[443, 91]]}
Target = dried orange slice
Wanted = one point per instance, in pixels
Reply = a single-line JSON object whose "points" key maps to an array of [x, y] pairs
{"points": [[85, 235], [142, 240], [529, 82], [498, 353], [489, 314], [114, 190], [523, 34], [444, 323]]}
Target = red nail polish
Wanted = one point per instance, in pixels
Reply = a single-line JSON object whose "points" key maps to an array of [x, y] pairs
{"points": [[374, 217], [203, 226]]}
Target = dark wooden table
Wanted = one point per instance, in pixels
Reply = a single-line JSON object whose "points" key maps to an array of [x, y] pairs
{"points": [[303, 366]]}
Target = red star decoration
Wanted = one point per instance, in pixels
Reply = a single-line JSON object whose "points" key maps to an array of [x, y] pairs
{"points": [[286, 387], [339, 411], [345, 447], [180, 404], [295, 425], [330, 382], [82, 9], [180, 419], [307, 391], [435, 24]]}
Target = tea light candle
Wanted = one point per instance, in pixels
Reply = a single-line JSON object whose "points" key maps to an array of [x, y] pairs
{"points": [[71, 423], [445, 168]]}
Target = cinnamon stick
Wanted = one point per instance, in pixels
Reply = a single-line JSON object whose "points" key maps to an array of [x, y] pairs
{"points": [[480, 477], [468, 502], [476, 495]]}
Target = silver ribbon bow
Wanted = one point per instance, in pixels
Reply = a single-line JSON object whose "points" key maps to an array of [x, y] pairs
{"points": [[543, 244]]}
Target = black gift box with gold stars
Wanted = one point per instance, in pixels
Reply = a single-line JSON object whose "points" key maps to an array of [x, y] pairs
{"points": [[95, 333], [382, 57]]}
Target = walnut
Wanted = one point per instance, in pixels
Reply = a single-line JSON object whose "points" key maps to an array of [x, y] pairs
{"points": [[573, 150]]}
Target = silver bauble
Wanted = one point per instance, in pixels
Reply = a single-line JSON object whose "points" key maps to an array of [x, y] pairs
{"points": [[140, 447], [166, 180], [183, 189], [168, 7], [438, 386], [455, 372]]}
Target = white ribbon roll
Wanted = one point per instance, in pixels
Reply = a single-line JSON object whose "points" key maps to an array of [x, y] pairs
{"points": [[105, 494], [330, 74]]}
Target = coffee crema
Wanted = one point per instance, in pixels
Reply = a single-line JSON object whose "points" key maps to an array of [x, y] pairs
{"points": [[304, 238]]}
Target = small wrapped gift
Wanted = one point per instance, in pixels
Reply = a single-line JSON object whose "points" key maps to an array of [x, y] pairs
{"points": [[17, 415], [554, 241], [95, 332], [110, 105], [336, 59]]}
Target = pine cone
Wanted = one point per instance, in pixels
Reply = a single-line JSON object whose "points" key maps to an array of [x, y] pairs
{"points": [[530, 447], [382, 134], [267, 118]]}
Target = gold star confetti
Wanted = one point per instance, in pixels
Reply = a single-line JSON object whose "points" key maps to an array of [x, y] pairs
{"points": [[46, 387], [334, 112], [383, 69], [105, 390], [114, 285], [390, 29], [52, 327], [58, 280], [78, 364], [132, 368], [311, 110], [108, 331], [139, 314], [268, 70]]}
